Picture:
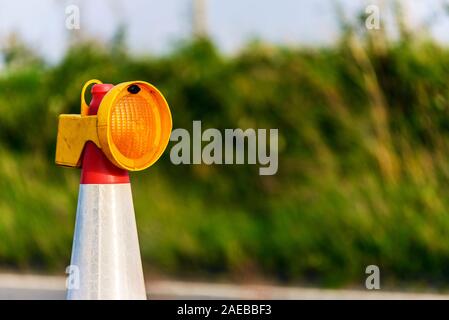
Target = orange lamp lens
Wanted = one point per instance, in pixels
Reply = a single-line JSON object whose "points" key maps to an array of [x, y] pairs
{"points": [[131, 126], [134, 125]]}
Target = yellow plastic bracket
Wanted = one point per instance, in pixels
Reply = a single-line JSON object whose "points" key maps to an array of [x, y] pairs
{"points": [[73, 132]]}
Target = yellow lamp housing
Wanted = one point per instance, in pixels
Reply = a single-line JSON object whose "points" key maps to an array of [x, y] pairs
{"points": [[132, 127]]}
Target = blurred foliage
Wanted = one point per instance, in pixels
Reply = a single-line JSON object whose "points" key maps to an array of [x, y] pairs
{"points": [[363, 162]]}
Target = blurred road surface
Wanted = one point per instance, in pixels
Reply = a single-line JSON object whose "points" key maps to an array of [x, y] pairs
{"points": [[13, 286]]}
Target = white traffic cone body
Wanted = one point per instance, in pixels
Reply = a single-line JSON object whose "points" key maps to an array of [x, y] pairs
{"points": [[105, 253]]}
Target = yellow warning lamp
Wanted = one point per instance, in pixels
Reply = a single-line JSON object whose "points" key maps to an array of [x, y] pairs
{"points": [[132, 127]]}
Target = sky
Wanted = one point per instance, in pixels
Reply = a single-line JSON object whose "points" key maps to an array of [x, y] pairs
{"points": [[156, 26]]}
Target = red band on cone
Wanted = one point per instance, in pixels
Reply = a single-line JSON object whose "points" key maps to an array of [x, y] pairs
{"points": [[96, 168]]}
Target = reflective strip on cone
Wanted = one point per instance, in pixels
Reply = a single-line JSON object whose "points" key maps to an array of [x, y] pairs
{"points": [[105, 252]]}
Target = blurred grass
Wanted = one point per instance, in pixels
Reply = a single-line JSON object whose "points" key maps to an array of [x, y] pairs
{"points": [[363, 162]]}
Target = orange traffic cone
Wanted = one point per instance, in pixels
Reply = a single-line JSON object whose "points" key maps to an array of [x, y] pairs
{"points": [[106, 262]]}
